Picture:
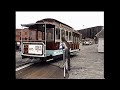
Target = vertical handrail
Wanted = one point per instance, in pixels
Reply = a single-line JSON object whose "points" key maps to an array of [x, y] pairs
{"points": [[21, 41], [45, 40], [64, 62]]}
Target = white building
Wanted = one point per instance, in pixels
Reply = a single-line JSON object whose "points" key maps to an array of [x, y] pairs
{"points": [[100, 36]]}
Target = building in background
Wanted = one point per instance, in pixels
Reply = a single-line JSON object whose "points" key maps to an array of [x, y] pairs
{"points": [[27, 34], [90, 32], [100, 36], [17, 39]]}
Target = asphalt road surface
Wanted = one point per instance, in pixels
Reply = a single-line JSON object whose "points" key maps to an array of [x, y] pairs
{"points": [[87, 64]]}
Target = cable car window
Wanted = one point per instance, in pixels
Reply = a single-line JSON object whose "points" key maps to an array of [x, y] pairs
{"points": [[76, 38], [43, 35], [39, 35], [62, 33], [70, 36], [49, 34], [25, 33], [25, 38], [57, 33], [66, 35], [33, 35], [73, 37]]}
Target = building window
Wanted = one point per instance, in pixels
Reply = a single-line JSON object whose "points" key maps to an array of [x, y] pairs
{"points": [[57, 33]]}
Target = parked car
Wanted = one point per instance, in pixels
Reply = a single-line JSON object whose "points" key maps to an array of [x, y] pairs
{"points": [[86, 43]]}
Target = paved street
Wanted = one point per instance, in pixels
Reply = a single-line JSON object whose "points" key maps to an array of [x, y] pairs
{"points": [[88, 64], [38, 70], [41, 71], [20, 61]]}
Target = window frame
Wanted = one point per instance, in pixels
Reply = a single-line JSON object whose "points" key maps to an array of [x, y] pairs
{"points": [[61, 32], [66, 35], [70, 35], [57, 39], [25, 33]]}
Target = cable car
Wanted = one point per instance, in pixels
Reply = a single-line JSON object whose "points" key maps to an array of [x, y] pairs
{"points": [[47, 43]]}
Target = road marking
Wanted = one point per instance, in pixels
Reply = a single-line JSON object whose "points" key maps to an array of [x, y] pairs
{"points": [[24, 66]]}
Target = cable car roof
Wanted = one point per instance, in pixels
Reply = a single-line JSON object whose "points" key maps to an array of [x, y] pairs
{"points": [[31, 24], [53, 20]]}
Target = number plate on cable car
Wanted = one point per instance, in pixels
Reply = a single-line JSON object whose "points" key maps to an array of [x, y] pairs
{"points": [[35, 49]]}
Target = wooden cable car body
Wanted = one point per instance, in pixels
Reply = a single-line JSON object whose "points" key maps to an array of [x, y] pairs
{"points": [[47, 44]]}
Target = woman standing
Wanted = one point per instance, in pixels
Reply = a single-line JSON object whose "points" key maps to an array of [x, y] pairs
{"points": [[67, 51]]}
